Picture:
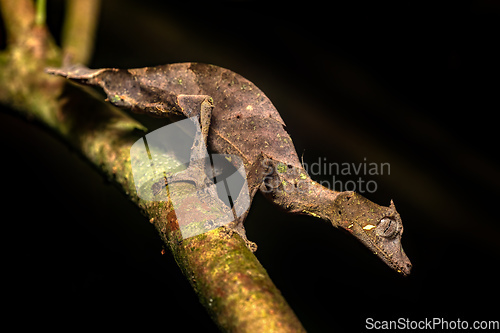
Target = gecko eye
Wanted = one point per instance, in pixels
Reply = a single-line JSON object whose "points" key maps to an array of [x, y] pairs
{"points": [[387, 227]]}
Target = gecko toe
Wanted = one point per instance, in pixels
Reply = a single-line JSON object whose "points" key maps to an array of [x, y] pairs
{"points": [[251, 245]]}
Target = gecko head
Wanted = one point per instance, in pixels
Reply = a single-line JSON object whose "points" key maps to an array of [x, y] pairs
{"points": [[377, 227]]}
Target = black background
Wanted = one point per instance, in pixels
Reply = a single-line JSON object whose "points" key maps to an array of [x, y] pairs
{"points": [[414, 85]]}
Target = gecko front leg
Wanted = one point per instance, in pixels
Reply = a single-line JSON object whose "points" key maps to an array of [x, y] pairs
{"points": [[256, 172]]}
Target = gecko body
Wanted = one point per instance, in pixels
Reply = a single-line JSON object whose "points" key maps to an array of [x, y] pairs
{"points": [[237, 118]]}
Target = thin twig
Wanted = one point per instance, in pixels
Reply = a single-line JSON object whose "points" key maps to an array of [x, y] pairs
{"points": [[79, 30], [18, 16], [41, 8]]}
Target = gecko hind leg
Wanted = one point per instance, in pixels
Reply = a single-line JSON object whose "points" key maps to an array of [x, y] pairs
{"points": [[197, 108], [200, 106]]}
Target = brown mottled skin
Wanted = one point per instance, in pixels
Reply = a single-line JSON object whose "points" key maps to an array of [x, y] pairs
{"points": [[237, 118]]}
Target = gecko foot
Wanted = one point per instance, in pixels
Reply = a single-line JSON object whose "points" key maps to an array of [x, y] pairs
{"points": [[237, 227]]}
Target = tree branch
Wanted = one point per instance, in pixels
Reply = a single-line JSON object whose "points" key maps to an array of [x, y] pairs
{"points": [[229, 280]]}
